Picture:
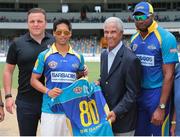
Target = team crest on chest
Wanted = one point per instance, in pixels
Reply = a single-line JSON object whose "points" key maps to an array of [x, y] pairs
{"points": [[52, 64], [134, 47]]}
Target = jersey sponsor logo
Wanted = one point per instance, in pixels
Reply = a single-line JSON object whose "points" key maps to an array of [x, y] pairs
{"points": [[63, 61], [152, 47], [146, 60], [64, 77], [134, 47], [52, 64], [173, 50], [75, 65]]}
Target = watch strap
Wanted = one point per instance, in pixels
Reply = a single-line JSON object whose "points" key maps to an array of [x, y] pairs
{"points": [[8, 96]]}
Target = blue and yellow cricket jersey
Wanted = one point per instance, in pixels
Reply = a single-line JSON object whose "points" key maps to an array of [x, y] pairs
{"points": [[59, 71], [157, 48], [85, 107]]}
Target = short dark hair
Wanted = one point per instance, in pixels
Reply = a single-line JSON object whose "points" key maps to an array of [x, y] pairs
{"points": [[62, 21], [37, 10]]}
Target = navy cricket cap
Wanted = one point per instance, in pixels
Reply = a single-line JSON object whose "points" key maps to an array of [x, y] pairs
{"points": [[144, 7]]}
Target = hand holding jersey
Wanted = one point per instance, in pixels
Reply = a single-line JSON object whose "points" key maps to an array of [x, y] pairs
{"points": [[54, 92], [111, 116], [82, 73], [85, 107]]}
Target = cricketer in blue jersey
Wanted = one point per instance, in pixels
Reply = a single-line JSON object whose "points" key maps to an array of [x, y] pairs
{"points": [[61, 66], [85, 107], [157, 50], [59, 71]]}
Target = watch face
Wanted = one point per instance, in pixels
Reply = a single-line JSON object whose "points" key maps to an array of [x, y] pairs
{"points": [[162, 106]]}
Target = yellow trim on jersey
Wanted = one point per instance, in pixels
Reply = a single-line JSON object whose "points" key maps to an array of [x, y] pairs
{"points": [[53, 49], [164, 125], [36, 63], [134, 36], [158, 36], [153, 26], [68, 122], [106, 109], [71, 51]]}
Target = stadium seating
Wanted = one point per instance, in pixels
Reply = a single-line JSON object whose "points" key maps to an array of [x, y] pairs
{"points": [[91, 17]]}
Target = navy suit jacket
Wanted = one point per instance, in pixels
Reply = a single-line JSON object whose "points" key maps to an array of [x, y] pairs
{"points": [[121, 86]]}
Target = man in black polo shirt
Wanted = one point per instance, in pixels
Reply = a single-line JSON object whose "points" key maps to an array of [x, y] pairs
{"points": [[23, 52]]}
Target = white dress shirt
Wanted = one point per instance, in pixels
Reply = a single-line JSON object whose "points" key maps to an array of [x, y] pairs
{"points": [[112, 54]]}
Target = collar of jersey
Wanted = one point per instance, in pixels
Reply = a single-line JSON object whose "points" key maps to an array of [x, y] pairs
{"points": [[54, 49], [152, 27]]}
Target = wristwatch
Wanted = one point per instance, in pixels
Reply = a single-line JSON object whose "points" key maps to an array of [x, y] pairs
{"points": [[173, 122], [1, 104], [162, 106], [8, 96]]}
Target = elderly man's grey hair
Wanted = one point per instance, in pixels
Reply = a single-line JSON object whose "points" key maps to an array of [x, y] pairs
{"points": [[117, 20]]}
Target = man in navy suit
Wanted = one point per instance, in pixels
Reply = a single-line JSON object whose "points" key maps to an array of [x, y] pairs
{"points": [[119, 79]]}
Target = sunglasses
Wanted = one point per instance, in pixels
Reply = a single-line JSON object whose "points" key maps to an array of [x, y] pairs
{"points": [[60, 32], [140, 17]]}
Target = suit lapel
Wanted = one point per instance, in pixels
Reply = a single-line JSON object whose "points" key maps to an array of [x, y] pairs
{"points": [[105, 63], [117, 60]]}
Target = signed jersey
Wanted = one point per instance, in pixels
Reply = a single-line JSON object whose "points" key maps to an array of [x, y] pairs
{"points": [[85, 107]]}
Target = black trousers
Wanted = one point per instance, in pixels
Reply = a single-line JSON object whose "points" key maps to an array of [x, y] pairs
{"points": [[28, 116]]}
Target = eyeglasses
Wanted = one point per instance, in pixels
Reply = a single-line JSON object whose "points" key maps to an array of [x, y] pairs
{"points": [[140, 17], [60, 32]]}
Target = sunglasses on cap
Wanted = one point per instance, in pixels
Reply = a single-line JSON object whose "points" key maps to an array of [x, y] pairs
{"points": [[140, 17], [60, 32]]}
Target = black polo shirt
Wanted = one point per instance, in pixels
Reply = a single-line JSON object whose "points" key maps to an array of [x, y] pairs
{"points": [[23, 52]]}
